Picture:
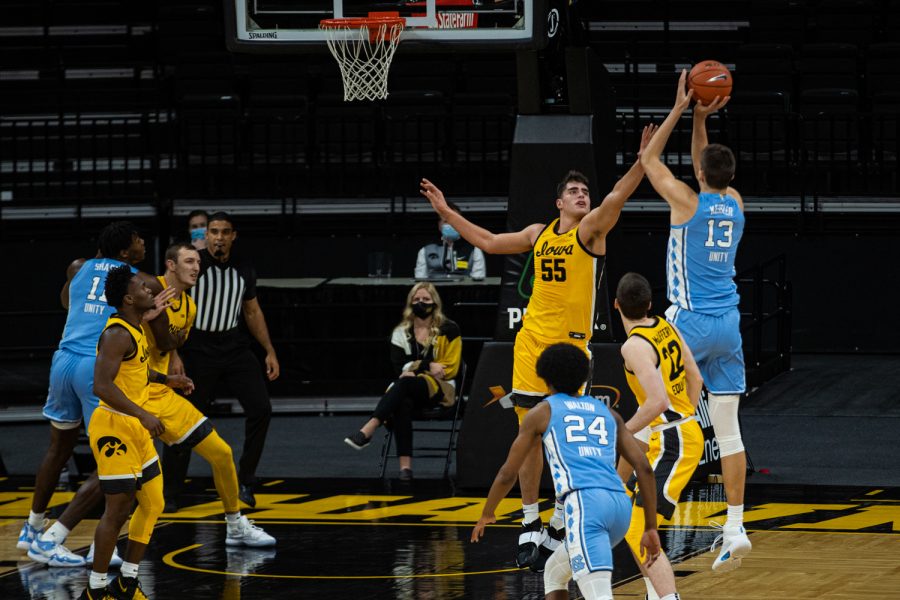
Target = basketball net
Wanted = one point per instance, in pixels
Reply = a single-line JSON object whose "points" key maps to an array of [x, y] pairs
{"points": [[363, 48]]}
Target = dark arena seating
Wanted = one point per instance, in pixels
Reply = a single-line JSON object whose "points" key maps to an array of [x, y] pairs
{"points": [[138, 110]]}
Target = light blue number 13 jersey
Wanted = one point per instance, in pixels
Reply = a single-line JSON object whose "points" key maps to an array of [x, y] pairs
{"points": [[700, 256]]}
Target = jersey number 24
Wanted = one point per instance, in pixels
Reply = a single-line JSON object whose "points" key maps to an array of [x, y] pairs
{"points": [[576, 431]]}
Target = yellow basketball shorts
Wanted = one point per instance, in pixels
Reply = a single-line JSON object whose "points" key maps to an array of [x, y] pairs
{"points": [[123, 450], [674, 454], [185, 425], [526, 351]]}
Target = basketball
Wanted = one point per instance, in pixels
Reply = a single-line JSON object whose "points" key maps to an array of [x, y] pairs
{"points": [[708, 79]]}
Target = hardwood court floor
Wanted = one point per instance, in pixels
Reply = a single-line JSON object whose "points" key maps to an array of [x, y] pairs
{"points": [[373, 539]]}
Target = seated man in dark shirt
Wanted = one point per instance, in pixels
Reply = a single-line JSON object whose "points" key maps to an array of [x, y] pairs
{"points": [[453, 256]]}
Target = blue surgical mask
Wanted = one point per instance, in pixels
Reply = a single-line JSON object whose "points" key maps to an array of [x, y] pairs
{"points": [[449, 234], [198, 234]]}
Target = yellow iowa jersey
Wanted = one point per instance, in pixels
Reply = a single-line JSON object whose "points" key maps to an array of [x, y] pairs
{"points": [[134, 372], [566, 278], [670, 362], [182, 311]]}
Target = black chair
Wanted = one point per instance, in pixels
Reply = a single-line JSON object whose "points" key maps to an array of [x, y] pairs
{"points": [[437, 420]]}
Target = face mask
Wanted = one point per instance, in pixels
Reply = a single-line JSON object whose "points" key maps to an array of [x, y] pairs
{"points": [[450, 234], [198, 234], [422, 310]]}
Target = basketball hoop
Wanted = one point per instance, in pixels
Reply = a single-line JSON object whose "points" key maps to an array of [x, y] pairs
{"points": [[364, 55]]}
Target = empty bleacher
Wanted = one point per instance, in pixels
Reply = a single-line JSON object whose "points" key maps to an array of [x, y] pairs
{"points": [[109, 99]]}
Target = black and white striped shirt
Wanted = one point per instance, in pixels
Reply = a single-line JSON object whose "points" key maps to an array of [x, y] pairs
{"points": [[221, 289]]}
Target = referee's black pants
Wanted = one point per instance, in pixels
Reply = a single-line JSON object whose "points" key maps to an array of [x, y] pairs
{"points": [[207, 363]]}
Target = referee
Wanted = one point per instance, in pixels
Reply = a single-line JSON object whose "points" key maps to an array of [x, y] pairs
{"points": [[219, 351]]}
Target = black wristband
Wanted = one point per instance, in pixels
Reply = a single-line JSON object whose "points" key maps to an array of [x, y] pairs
{"points": [[160, 377]]}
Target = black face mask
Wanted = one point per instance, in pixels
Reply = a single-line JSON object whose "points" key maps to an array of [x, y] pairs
{"points": [[422, 310]]}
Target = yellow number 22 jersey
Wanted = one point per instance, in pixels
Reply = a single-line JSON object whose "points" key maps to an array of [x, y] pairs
{"points": [[670, 360]]}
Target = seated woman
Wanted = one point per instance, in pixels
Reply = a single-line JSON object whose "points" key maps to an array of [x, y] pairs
{"points": [[426, 350]]}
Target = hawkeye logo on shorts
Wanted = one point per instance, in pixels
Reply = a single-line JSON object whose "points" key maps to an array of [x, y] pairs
{"points": [[109, 445]]}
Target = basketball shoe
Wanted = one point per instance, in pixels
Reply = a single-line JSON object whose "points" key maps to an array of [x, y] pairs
{"points": [[115, 561], [28, 533], [90, 593], [48, 552], [245, 533], [734, 546], [531, 536], [126, 588], [548, 545]]}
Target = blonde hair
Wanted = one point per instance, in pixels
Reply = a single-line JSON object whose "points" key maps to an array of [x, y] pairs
{"points": [[437, 316]]}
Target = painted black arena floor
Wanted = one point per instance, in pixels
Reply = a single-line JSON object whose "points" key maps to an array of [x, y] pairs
{"points": [[383, 539]]}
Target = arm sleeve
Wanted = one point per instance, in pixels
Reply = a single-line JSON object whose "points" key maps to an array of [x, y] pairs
{"points": [[478, 269], [449, 349], [421, 266]]}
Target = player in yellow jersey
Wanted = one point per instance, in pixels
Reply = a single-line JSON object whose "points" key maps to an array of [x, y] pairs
{"points": [[569, 256], [665, 379], [120, 435], [186, 427]]}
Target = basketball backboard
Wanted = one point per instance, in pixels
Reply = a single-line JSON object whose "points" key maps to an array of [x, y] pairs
{"points": [[293, 25]]}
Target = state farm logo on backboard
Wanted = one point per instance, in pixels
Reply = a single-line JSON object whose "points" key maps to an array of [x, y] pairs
{"points": [[457, 20]]}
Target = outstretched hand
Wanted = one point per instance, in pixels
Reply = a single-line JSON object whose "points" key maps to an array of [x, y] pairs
{"points": [[434, 195], [682, 94], [704, 110], [478, 530], [161, 302], [646, 136]]}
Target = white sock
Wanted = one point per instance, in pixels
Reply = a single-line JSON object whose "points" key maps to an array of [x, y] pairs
{"points": [[233, 518], [97, 580], [651, 592], [557, 521], [36, 520], [57, 532], [128, 569], [531, 513], [735, 515]]}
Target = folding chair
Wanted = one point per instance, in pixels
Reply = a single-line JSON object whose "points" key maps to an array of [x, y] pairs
{"points": [[433, 420]]}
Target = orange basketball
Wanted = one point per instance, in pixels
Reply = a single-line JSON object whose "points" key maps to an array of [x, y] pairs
{"points": [[708, 79]]}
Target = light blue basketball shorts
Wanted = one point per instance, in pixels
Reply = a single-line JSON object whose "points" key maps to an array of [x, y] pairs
{"points": [[71, 398], [596, 520], [717, 347]]}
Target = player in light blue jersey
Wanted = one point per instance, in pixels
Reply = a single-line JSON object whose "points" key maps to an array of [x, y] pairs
{"points": [[70, 398], [580, 437], [706, 229]]}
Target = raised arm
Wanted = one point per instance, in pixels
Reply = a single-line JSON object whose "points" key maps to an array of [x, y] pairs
{"points": [[533, 426], [699, 139], [680, 197], [492, 243], [602, 219]]}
